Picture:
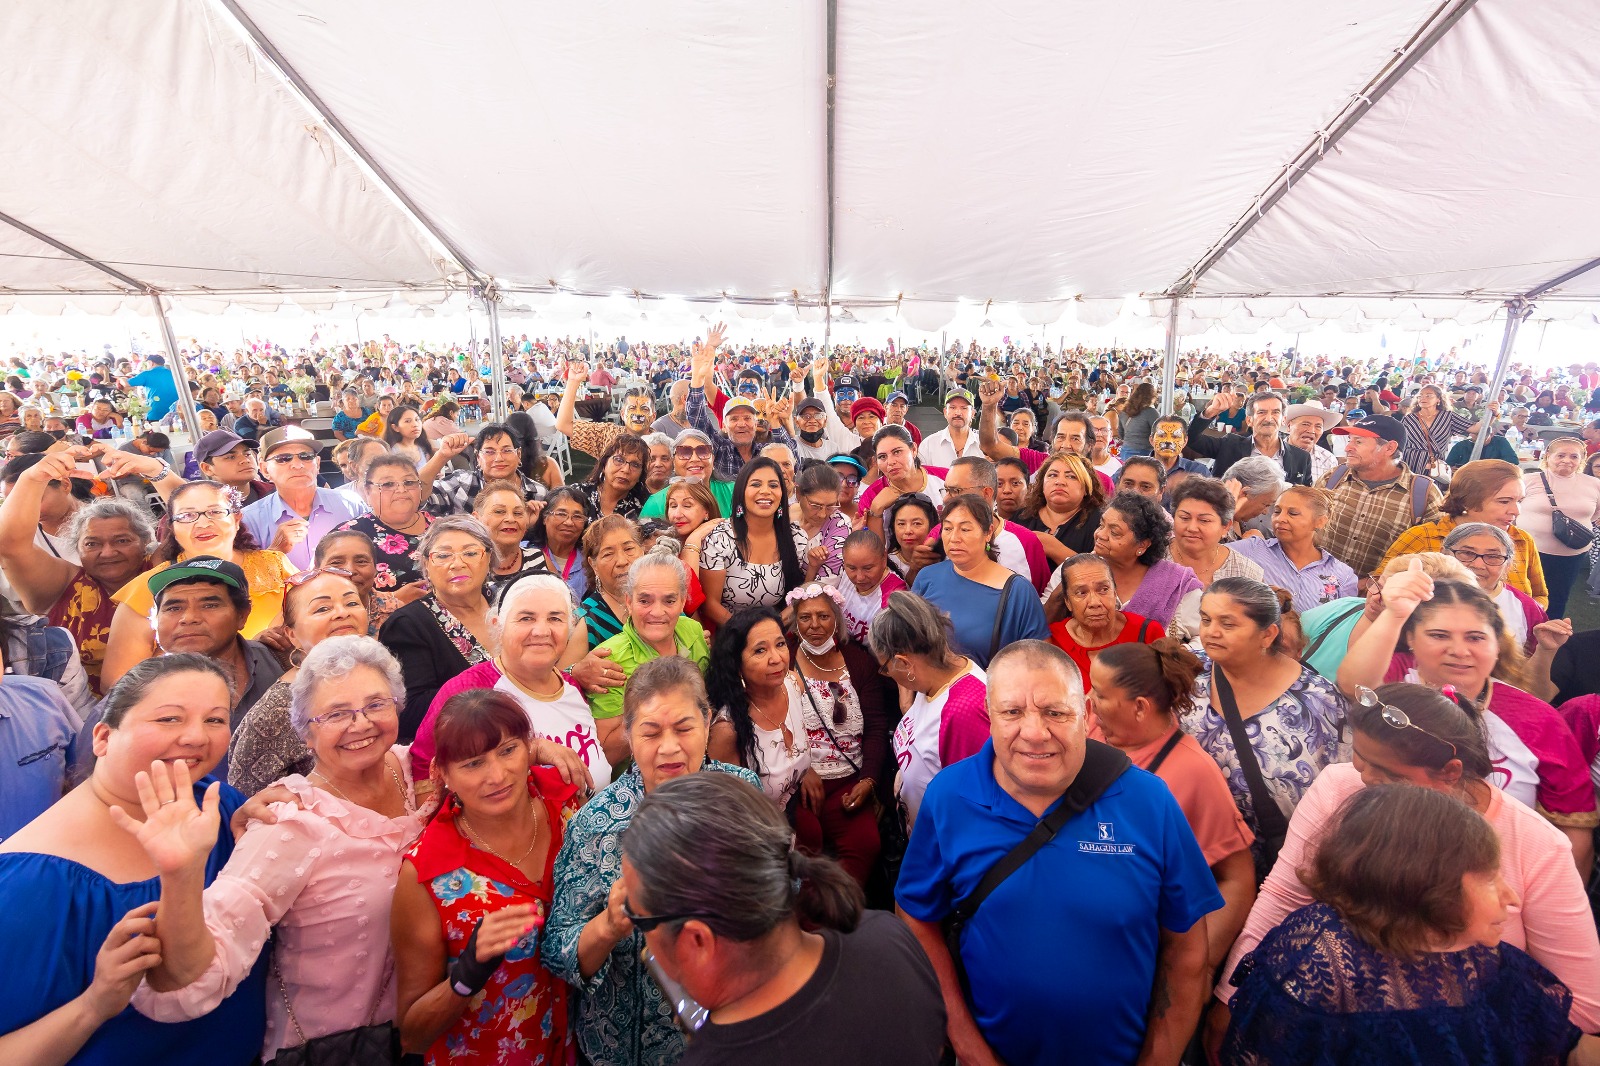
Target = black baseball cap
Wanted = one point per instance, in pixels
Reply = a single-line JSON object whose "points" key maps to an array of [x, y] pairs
{"points": [[1377, 427]]}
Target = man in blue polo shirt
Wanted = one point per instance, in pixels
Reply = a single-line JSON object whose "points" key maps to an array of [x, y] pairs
{"points": [[1094, 950]]}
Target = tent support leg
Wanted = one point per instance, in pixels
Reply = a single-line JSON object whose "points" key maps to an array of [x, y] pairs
{"points": [[1169, 365], [1517, 309], [180, 373], [497, 358]]}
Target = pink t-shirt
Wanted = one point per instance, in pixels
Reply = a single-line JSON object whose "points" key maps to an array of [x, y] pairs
{"points": [[1536, 757], [1196, 782], [860, 610], [936, 732], [1554, 924]]}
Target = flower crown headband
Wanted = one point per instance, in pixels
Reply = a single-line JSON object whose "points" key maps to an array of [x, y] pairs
{"points": [[812, 591]]}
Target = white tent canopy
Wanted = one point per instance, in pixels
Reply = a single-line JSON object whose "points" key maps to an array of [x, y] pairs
{"points": [[1360, 162]]}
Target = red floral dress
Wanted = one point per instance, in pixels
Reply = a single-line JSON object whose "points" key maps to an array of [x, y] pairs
{"points": [[520, 1017]]}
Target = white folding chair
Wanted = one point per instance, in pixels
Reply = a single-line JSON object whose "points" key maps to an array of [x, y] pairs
{"points": [[561, 451]]}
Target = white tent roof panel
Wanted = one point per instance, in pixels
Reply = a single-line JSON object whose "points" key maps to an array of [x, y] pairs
{"points": [[603, 146], [1476, 173], [1033, 150], [146, 136]]}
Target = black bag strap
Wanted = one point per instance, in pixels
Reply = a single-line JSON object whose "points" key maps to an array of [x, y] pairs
{"points": [[1271, 824], [1102, 765], [1552, 496], [1166, 749], [1000, 615], [1144, 627], [1322, 638]]}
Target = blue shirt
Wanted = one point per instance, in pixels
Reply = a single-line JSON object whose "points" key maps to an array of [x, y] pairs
{"points": [[972, 608], [54, 916], [160, 390], [1062, 955], [328, 509], [38, 735]]}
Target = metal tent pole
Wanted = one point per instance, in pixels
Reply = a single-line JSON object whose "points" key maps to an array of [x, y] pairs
{"points": [[1517, 309], [497, 357], [1169, 365], [180, 375]]}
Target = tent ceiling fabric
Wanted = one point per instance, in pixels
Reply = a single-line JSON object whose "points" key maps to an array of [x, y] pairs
{"points": [[1475, 174], [672, 148], [1051, 158], [146, 135]]}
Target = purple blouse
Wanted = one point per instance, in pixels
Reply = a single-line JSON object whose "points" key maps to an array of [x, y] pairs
{"points": [[1164, 584]]}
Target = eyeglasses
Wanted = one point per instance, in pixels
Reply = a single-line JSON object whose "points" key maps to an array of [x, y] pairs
{"points": [[644, 923], [189, 518], [628, 464], [409, 485], [1493, 560], [698, 451], [297, 457], [296, 580], [566, 516], [470, 556], [1395, 718], [381, 707]]}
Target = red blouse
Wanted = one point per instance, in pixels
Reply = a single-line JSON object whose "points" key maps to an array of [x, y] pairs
{"points": [[521, 1014], [1153, 632]]}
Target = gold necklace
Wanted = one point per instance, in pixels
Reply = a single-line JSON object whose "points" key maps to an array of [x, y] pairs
{"points": [[405, 800], [760, 716], [822, 669], [481, 844]]}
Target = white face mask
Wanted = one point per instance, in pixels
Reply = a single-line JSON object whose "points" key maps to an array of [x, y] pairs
{"points": [[817, 649]]}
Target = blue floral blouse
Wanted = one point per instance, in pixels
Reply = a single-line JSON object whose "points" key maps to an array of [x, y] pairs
{"points": [[1297, 734], [620, 1018]]}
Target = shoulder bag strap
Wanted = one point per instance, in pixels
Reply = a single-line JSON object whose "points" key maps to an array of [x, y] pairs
{"points": [[1166, 749], [1337, 476], [1322, 637], [1102, 765], [1000, 615], [1545, 481], [1270, 820], [1144, 627], [1419, 496]]}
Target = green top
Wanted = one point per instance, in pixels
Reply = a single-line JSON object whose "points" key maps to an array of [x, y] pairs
{"points": [[628, 650], [721, 491]]}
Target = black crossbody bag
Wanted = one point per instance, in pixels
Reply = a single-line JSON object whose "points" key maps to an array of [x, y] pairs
{"points": [[1102, 765], [1271, 825]]}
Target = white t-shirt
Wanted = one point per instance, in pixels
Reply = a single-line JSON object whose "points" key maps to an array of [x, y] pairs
{"points": [[564, 720], [916, 741], [1012, 557], [1515, 618], [59, 546]]}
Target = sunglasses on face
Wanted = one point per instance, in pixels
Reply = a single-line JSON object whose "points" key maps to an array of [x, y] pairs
{"points": [[645, 923], [698, 451], [294, 457]]}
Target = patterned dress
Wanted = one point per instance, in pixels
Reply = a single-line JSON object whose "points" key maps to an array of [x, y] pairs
{"points": [[747, 584], [620, 1018], [392, 550], [1293, 738], [520, 1016]]}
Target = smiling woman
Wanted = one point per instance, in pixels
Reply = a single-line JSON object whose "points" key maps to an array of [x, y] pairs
{"points": [[753, 558]]}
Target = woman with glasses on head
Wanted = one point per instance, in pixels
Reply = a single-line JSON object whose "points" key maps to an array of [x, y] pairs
{"points": [[202, 520], [621, 1017], [846, 718], [319, 604], [825, 527], [396, 522], [448, 630], [558, 534], [355, 554], [328, 862], [753, 558], [616, 485], [474, 893], [1412, 734], [402, 432], [1488, 491], [1449, 633]]}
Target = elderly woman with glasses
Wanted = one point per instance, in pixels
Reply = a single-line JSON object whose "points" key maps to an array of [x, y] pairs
{"points": [[320, 604], [621, 1017], [1488, 552], [448, 630], [694, 459], [204, 520], [396, 522], [846, 718], [329, 862]]}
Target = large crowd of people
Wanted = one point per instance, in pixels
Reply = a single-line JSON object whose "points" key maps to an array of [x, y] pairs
{"points": [[706, 708]]}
